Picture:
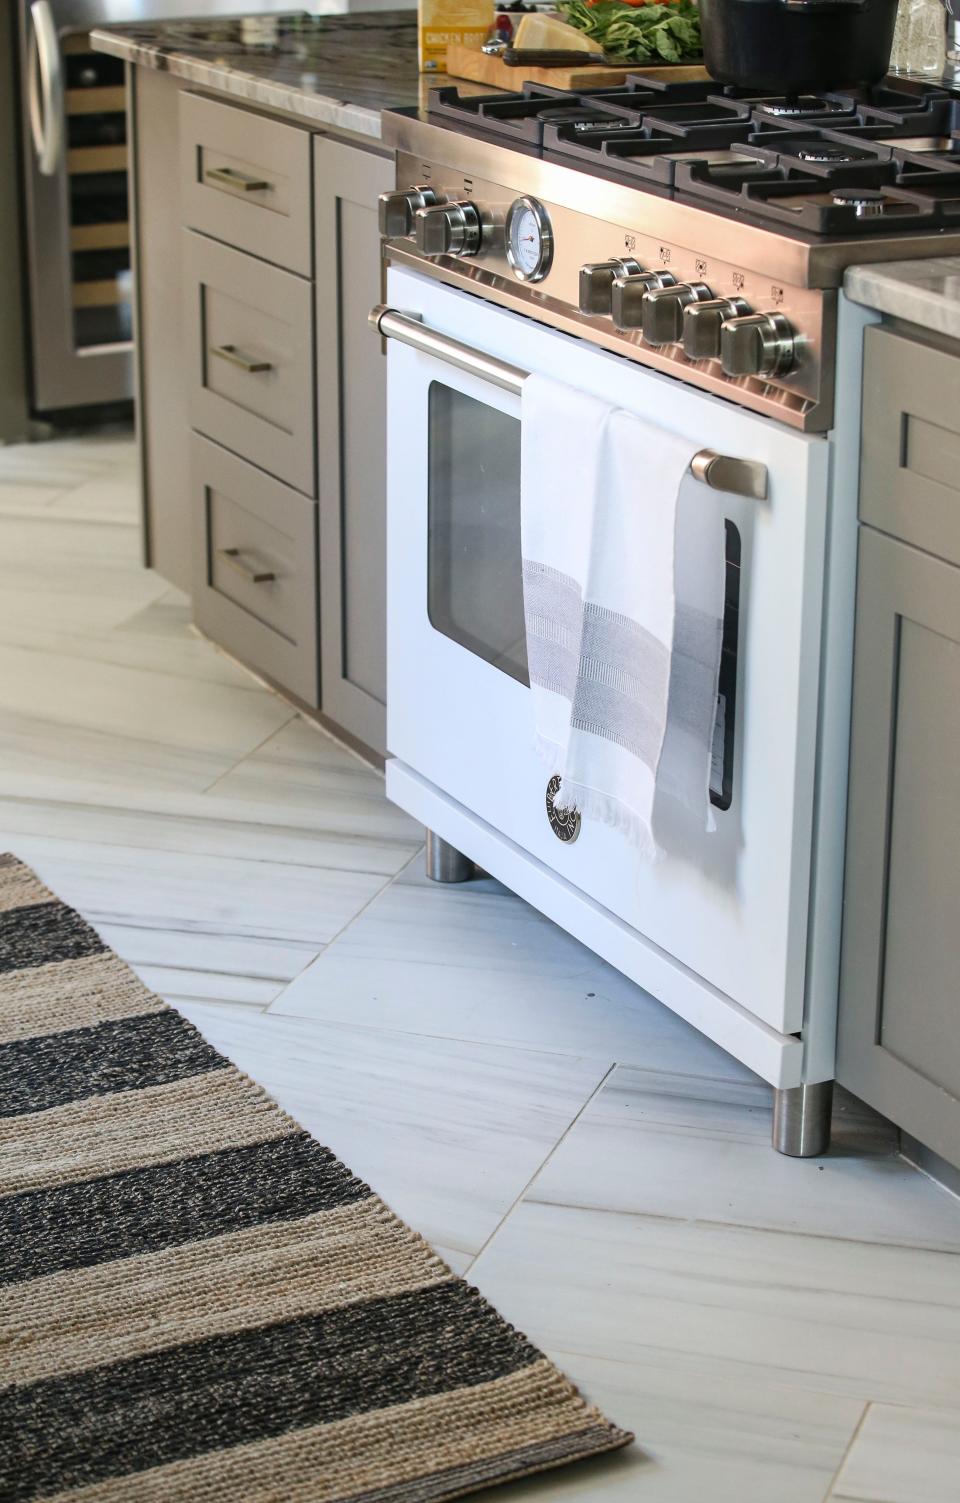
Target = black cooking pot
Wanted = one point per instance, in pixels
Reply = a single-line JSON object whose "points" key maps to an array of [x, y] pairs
{"points": [[795, 46]]}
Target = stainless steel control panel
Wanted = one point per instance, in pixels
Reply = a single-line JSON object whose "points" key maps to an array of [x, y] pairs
{"points": [[681, 308]]}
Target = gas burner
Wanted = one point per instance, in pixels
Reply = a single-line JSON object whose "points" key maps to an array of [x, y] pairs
{"points": [[828, 152], [866, 203], [594, 127], [806, 107]]}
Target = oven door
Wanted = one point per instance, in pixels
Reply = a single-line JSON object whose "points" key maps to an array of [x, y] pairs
{"points": [[729, 905]]}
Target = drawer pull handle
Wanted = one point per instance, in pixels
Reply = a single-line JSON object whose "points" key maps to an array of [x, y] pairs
{"points": [[233, 356], [235, 559], [231, 178]]}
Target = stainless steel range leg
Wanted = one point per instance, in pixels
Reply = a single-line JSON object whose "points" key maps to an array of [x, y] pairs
{"points": [[801, 1119], [445, 863]]}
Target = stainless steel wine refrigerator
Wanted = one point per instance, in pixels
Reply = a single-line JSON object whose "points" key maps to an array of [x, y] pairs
{"points": [[76, 203], [76, 211]]}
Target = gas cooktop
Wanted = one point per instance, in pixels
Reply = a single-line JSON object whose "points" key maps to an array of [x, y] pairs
{"points": [[845, 164], [703, 231]]}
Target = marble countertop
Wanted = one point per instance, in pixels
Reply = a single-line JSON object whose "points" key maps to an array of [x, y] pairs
{"points": [[920, 292], [337, 70]]}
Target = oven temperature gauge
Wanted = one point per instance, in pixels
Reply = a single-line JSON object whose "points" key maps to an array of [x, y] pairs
{"points": [[529, 240]]}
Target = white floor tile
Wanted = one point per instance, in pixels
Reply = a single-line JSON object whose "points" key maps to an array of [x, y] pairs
{"points": [[472, 961], [448, 1134], [109, 497], [177, 986], [703, 1436], [155, 639], [154, 818], [661, 1145], [903, 1455], [206, 897], [209, 967], [64, 575], [810, 1312], [102, 722], [54, 466], [26, 501]]}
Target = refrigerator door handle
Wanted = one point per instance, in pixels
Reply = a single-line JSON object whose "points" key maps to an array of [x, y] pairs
{"points": [[45, 88]]}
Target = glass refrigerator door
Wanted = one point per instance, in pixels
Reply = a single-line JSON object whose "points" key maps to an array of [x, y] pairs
{"points": [[77, 215]]}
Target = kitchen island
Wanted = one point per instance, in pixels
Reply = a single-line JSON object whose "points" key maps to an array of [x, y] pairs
{"points": [[256, 168], [337, 71]]}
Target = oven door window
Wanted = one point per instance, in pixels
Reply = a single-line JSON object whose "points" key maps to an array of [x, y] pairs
{"points": [[474, 576]]}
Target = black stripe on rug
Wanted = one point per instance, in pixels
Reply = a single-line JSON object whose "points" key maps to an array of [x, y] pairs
{"points": [[167, 1205], [150, 1411], [44, 934], [153, 1049]]}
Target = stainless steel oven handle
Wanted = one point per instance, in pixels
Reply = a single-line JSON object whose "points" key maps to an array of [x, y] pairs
{"points": [[409, 329], [723, 472], [45, 88]]}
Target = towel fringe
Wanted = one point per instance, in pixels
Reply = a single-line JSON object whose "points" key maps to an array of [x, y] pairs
{"points": [[591, 803]]}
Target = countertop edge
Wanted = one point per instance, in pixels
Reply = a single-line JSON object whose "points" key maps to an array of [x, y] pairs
{"points": [[220, 77], [897, 289]]}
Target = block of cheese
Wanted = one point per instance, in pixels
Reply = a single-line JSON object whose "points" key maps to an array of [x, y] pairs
{"points": [[545, 31]]}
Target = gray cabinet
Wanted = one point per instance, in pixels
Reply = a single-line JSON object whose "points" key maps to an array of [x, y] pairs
{"points": [[351, 427], [258, 259], [899, 1032]]}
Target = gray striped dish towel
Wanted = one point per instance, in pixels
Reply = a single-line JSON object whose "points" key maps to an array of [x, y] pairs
{"points": [[623, 580]]}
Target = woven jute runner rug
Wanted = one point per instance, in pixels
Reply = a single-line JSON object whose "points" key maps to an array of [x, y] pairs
{"points": [[199, 1302]]}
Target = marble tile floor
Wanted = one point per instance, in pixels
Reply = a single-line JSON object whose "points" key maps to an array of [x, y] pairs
{"points": [[774, 1331]]}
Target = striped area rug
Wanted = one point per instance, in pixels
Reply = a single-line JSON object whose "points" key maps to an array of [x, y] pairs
{"points": [[199, 1303]]}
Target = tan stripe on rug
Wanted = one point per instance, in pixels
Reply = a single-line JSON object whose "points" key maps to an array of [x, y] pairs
{"points": [[101, 988], [19, 886], [451, 1432], [129, 1129], [69, 1321]]}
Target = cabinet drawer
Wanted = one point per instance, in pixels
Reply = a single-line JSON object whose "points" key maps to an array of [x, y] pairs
{"points": [[246, 179], [250, 359], [256, 568], [910, 448]]}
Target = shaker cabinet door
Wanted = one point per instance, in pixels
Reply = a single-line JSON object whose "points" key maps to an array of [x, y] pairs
{"points": [[351, 423], [910, 445], [899, 1038]]}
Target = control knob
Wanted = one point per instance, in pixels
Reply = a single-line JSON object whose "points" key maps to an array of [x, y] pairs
{"points": [[452, 229], [396, 210], [663, 310], [757, 344], [597, 279], [702, 323], [626, 303]]}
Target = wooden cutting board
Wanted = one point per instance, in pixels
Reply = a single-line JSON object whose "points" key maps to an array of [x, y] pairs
{"points": [[481, 67]]}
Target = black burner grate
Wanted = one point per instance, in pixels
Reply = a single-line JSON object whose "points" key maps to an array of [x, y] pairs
{"points": [[791, 161]]}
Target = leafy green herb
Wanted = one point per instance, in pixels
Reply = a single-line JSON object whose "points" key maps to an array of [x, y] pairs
{"points": [[638, 33]]}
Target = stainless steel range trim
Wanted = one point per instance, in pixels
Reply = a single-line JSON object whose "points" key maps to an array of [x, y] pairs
{"points": [[810, 412], [803, 261]]}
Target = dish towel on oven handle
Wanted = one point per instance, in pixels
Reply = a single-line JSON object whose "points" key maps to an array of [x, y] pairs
{"points": [[623, 669]]}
